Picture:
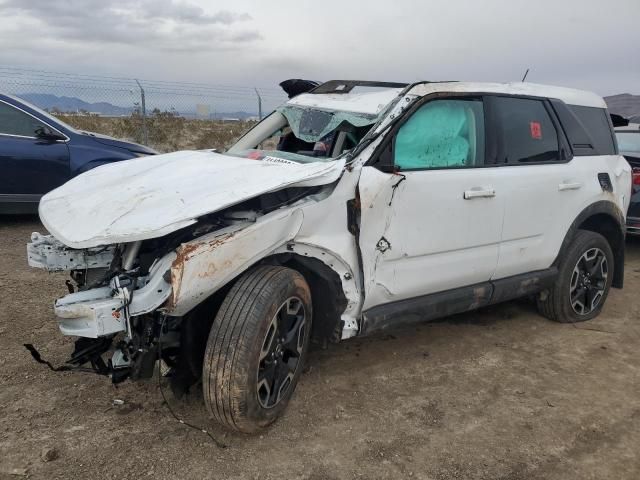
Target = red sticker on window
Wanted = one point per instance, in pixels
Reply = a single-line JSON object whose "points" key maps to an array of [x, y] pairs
{"points": [[536, 130]]}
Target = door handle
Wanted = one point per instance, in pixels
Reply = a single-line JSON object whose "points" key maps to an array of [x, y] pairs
{"points": [[479, 192], [569, 186]]}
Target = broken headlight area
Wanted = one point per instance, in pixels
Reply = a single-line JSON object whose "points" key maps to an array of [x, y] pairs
{"points": [[120, 296]]}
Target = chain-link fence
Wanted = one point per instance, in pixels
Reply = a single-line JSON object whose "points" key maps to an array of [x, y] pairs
{"points": [[165, 115]]}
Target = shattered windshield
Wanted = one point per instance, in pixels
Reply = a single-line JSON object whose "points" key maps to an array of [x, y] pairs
{"points": [[304, 134], [311, 124]]}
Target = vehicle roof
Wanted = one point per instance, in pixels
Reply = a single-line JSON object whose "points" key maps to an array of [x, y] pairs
{"points": [[569, 96], [372, 99], [366, 102]]}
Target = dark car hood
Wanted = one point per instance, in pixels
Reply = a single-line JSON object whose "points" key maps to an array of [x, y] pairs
{"points": [[114, 142]]}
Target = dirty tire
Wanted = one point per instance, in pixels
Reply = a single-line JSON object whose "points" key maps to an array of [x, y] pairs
{"points": [[257, 306], [558, 302]]}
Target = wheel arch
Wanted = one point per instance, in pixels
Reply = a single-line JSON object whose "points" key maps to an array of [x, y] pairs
{"points": [[607, 219], [328, 296]]}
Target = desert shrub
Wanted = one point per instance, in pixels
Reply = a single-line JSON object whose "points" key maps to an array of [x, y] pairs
{"points": [[167, 131]]}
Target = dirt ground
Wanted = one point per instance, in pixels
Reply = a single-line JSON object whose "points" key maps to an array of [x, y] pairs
{"points": [[496, 394]]}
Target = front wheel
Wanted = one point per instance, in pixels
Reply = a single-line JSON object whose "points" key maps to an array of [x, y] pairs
{"points": [[256, 348], [584, 278]]}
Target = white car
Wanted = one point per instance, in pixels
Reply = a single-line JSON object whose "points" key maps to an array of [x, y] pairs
{"points": [[350, 209]]}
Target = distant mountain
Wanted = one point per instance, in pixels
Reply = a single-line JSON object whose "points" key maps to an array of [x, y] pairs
{"points": [[624, 104], [73, 104]]}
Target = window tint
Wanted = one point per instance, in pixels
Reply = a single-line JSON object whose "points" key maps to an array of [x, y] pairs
{"points": [[529, 135], [596, 122], [441, 134], [15, 122]]}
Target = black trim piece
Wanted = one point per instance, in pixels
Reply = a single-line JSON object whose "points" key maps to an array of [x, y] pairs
{"points": [[579, 140], [19, 204], [426, 307], [295, 86], [20, 197], [345, 86], [605, 182], [519, 286], [458, 300]]}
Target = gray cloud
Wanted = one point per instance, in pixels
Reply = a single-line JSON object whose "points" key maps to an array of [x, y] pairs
{"points": [[588, 44], [157, 24]]}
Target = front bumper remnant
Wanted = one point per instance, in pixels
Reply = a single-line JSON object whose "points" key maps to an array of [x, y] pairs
{"points": [[91, 313]]}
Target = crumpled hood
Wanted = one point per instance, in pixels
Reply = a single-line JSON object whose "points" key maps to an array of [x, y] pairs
{"points": [[152, 196]]}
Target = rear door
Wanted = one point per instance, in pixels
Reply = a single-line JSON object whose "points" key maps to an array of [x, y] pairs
{"points": [[435, 225], [30, 166], [544, 190]]}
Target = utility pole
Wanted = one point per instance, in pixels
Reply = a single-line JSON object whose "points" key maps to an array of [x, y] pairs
{"points": [[259, 104], [145, 135]]}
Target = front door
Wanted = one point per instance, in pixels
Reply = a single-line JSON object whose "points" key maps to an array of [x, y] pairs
{"points": [[434, 225], [31, 166]]}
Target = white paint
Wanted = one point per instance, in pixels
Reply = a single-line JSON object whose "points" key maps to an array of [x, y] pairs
{"points": [[152, 196], [438, 239], [568, 95], [539, 210], [362, 102], [323, 235]]}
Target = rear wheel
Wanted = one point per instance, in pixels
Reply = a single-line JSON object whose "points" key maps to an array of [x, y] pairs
{"points": [[585, 274], [256, 348]]}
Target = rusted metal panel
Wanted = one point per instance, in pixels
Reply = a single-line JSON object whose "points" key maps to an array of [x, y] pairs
{"points": [[204, 265]]}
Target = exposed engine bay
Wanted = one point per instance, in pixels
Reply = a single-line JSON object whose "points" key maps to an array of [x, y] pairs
{"points": [[112, 290]]}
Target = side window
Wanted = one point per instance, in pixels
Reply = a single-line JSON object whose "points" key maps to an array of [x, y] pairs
{"points": [[15, 122], [596, 122], [442, 134], [529, 135]]}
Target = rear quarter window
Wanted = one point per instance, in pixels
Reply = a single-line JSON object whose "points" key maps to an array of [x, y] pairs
{"points": [[596, 123]]}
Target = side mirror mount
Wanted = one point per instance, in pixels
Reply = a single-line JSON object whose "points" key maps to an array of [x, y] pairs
{"points": [[46, 133], [384, 162]]}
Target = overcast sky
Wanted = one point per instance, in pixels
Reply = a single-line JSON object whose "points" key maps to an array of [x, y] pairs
{"points": [[592, 44]]}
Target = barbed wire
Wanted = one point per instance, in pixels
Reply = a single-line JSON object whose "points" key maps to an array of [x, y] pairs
{"points": [[142, 110], [19, 80]]}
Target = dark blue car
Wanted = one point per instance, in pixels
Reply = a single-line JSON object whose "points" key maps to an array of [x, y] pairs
{"points": [[38, 153]]}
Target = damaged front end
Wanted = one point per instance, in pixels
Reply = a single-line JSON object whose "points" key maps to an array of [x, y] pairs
{"points": [[111, 294], [128, 297]]}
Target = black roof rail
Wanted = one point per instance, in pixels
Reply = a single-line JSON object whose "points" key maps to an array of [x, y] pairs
{"points": [[345, 86]]}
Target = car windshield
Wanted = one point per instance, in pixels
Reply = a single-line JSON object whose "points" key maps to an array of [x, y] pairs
{"points": [[45, 115], [303, 134], [319, 126], [628, 141]]}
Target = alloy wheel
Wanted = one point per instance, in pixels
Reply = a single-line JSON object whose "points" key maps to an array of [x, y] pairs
{"points": [[588, 281], [281, 352]]}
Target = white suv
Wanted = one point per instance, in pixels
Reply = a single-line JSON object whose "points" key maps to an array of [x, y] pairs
{"points": [[352, 208]]}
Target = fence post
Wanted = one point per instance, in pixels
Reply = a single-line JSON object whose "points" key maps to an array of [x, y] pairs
{"points": [[145, 134], [259, 104]]}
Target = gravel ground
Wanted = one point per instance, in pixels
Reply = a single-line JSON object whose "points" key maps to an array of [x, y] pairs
{"points": [[496, 394]]}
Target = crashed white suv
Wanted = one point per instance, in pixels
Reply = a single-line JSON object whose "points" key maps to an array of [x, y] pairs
{"points": [[352, 208]]}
